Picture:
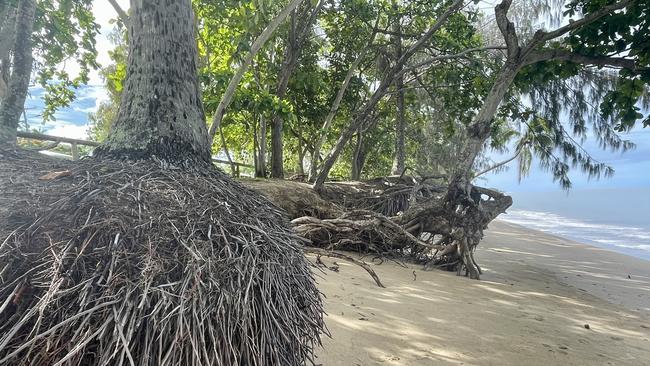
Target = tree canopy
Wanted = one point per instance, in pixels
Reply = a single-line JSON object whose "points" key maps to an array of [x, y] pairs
{"points": [[359, 88]]}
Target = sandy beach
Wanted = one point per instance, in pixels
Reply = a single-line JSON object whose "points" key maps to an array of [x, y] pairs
{"points": [[542, 300]]}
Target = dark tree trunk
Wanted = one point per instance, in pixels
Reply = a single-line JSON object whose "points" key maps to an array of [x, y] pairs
{"points": [[161, 113], [359, 157], [288, 65], [400, 155], [13, 104]]}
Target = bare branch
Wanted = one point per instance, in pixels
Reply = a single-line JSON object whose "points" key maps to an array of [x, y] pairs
{"points": [[542, 36], [498, 165], [124, 17], [564, 55], [427, 36], [448, 57]]}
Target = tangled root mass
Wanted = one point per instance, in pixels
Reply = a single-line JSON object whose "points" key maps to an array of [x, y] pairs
{"points": [[120, 263]]}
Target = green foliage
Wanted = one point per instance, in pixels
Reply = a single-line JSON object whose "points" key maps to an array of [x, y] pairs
{"points": [[545, 116], [64, 32]]}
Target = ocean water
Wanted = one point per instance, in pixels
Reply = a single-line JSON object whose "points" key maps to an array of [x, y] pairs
{"points": [[617, 220]]}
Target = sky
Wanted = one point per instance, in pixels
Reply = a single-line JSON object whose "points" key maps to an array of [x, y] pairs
{"points": [[632, 169]]}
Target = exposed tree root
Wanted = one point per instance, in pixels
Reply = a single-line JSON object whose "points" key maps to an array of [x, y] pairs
{"points": [[416, 218], [128, 263], [362, 264]]}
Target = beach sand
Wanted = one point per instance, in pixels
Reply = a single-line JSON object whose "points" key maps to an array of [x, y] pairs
{"points": [[531, 307]]}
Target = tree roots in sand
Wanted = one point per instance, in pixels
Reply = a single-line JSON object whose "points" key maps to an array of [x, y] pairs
{"points": [[402, 216], [118, 263]]}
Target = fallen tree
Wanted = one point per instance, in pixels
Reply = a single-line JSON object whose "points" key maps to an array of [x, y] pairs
{"points": [[394, 216]]}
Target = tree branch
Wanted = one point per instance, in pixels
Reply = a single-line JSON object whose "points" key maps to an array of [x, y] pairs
{"points": [[498, 165], [427, 36], [447, 57], [507, 28], [124, 17], [564, 55], [542, 36]]}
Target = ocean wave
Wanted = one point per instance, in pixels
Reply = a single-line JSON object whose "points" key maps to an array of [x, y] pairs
{"points": [[631, 240]]}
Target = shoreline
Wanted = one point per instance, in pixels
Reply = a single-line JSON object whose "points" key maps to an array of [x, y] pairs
{"points": [[629, 252], [543, 300], [601, 272], [615, 237]]}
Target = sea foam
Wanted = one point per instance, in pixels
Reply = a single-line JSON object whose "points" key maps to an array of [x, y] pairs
{"points": [[630, 240]]}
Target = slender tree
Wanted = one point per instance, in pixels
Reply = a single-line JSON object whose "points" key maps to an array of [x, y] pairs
{"points": [[393, 71], [399, 158], [255, 48], [12, 105]]}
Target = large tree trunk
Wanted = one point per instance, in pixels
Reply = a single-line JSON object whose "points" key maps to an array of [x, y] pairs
{"points": [[7, 31], [161, 113], [400, 155], [13, 104], [479, 131]]}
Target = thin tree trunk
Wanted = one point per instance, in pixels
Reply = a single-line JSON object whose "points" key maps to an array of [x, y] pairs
{"points": [[13, 104], [400, 126], [301, 24], [161, 112], [277, 157], [233, 167], [288, 64], [347, 133], [255, 48], [261, 158], [358, 157], [301, 160], [315, 157]]}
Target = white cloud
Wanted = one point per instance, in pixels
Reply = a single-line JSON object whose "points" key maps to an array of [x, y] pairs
{"points": [[104, 12], [67, 129]]}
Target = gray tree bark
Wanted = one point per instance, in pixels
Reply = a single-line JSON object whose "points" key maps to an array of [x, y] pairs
{"points": [[13, 104], [7, 32], [161, 112], [359, 157]]}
